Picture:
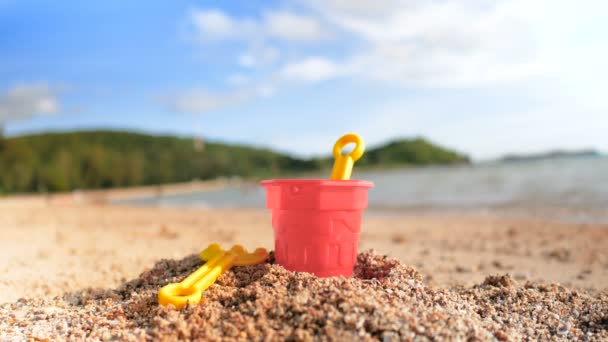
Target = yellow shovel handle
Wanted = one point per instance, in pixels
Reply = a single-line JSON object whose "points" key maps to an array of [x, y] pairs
{"points": [[343, 165], [195, 276], [190, 290]]}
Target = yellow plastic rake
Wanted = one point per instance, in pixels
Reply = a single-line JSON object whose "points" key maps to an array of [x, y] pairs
{"points": [[190, 290]]}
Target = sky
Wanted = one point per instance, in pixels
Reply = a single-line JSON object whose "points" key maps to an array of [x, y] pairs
{"points": [[482, 77]]}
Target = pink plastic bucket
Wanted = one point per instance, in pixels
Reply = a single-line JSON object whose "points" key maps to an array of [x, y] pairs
{"points": [[316, 223]]}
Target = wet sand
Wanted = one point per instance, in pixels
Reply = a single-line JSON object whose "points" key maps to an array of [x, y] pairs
{"points": [[50, 247]]}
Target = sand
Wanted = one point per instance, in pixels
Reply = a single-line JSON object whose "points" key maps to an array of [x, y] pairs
{"points": [[383, 300], [550, 278]]}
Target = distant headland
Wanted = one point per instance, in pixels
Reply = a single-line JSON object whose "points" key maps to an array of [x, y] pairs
{"points": [[554, 154]]}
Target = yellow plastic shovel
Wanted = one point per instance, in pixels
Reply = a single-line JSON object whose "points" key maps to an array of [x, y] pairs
{"points": [[343, 165], [190, 290]]}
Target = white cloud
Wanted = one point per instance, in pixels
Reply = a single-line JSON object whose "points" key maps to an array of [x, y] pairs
{"points": [[216, 25], [259, 56], [292, 27], [27, 100], [358, 7], [200, 100], [237, 80], [313, 69], [471, 44], [413, 43], [434, 43], [265, 90], [213, 24], [246, 60]]}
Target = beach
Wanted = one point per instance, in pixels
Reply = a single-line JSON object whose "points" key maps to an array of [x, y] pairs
{"points": [[303, 171], [61, 246]]}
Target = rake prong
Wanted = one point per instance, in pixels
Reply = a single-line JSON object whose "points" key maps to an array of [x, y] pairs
{"points": [[244, 258], [210, 252], [247, 259]]}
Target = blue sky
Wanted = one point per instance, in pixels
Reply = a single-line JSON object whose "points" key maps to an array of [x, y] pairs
{"points": [[486, 78]]}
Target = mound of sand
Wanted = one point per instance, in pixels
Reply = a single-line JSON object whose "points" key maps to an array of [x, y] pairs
{"points": [[385, 300]]}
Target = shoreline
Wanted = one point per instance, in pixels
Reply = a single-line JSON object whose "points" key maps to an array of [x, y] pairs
{"points": [[162, 196], [106, 196], [550, 214]]}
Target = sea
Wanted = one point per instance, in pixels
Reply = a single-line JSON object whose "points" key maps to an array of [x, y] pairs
{"points": [[562, 189]]}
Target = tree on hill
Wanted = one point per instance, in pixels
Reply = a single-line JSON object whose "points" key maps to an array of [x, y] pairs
{"points": [[416, 151], [105, 159]]}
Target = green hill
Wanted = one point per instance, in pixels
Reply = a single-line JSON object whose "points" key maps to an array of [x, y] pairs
{"points": [[104, 159], [410, 152]]}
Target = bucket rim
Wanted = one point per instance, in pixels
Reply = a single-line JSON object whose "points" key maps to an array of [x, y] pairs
{"points": [[319, 182]]}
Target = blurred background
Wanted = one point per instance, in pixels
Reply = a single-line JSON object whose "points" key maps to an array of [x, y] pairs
{"points": [[465, 105]]}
